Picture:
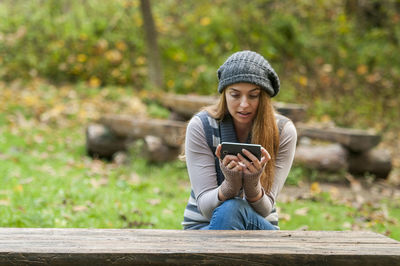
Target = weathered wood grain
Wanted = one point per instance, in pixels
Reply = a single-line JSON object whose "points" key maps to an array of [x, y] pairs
{"points": [[174, 247], [188, 105], [355, 140]]}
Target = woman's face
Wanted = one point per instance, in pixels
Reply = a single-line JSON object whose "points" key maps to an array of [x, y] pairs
{"points": [[242, 100]]}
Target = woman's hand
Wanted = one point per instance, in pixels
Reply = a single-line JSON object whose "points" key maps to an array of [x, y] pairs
{"points": [[231, 162], [254, 165], [233, 174], [252, 172]]}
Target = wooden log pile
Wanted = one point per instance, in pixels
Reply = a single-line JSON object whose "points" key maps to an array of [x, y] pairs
{"points": [[349, 150], [112, 133], [353, 150]]}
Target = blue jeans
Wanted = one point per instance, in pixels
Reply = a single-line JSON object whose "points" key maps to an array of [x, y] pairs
{"points": [[237, 214]]}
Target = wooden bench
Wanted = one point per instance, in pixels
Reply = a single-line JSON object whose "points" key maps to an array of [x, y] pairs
{"points": [[177, 247]]}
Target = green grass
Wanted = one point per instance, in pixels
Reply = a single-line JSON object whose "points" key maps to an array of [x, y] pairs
{"points": [[322, 213], [54, 184], [49, 181]]}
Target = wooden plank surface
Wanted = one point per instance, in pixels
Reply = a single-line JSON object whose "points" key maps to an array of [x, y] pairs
{"points": [[163, 247]]}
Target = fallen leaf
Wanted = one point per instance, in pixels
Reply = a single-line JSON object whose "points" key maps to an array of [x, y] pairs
{"points": [[98, 183], [346, 225], [5, 192], [79, 208], [334, 192], [315, 188], [362, 69], [328, 217], [153, 201], [19, 188], [302, 211], [120, 158], [134, 179], [303, 81], [355, 185], [167, 212], [26, 181], [302, 228], [284, 216], [5, 202]]}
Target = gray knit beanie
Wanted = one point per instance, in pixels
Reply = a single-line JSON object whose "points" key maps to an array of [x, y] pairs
{"points": [[251, 67]]}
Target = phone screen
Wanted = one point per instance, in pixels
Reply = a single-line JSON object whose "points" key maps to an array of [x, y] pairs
{"points": [[233, 148]]}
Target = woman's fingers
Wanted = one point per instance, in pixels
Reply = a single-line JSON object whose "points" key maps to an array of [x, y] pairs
{"points": [[246, 164], [218, 151], [232, 164], [253, 159], [265, 157]]}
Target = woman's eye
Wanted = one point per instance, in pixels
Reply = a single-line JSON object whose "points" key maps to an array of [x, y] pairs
{"points": [[235, 95], [254, 96]]}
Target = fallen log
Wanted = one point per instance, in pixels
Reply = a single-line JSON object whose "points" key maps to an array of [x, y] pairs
{"points": [[102, 143], [335, 158], [163, 140], [332, 157], [355, 140], [296, 112], [187, 105], [172, 133], [376, 161], [154, 150]]}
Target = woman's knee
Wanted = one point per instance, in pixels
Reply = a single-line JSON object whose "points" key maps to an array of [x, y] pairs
{"points": [[233, 206]]}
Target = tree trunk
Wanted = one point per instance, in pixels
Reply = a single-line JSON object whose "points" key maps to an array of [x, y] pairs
{"points": [[154, 61]]}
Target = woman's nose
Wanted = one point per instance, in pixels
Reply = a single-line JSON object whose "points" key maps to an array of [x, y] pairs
{"points": [[244, 102]]}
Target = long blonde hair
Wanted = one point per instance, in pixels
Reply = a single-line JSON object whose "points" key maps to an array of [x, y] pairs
{"points": [[264, 131]]}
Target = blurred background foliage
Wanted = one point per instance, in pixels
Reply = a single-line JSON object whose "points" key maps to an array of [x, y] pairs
{"points": [[340, 57], [63, 64]]}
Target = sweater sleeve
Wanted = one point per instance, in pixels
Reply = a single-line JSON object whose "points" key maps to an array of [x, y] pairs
{"points": [[201, 168], [283, 163]]}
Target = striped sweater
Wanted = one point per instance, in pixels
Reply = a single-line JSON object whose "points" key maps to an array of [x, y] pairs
{"points": [[204, 133]]}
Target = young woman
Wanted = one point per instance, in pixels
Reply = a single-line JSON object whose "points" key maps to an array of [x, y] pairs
{"points": [[235, 193]]}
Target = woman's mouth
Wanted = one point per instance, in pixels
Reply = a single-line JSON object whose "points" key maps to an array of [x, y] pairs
{"points": [[244, 114]]}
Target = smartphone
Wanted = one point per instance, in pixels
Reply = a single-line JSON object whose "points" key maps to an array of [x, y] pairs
{"points": [[233, 148]]}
